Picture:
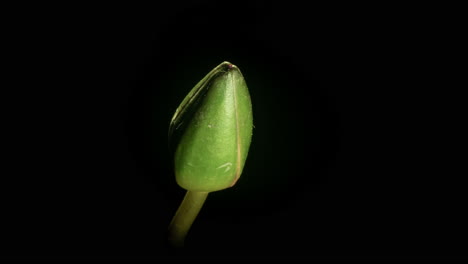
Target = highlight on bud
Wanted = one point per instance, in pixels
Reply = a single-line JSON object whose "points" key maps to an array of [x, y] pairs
{"points": [[214, 124]]}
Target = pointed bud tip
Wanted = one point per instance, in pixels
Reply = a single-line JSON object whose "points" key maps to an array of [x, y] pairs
{"points": [[229, 65]]}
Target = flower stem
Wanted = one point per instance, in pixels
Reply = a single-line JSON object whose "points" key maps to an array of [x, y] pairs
{"points": [[184, 217]]}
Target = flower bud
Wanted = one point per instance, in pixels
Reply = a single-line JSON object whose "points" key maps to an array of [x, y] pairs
{"points": [[214, 122]]}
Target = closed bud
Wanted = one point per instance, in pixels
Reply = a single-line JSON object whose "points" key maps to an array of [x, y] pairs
{"points": [[214, 128]]}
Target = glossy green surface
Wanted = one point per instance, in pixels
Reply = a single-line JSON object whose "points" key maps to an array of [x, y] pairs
{"points": [[212, 150]]}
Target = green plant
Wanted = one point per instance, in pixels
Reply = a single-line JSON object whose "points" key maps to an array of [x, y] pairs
{"points": [[213, 129]]}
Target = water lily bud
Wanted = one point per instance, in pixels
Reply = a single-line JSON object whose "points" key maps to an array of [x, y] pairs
{"points": [[215, 126]]}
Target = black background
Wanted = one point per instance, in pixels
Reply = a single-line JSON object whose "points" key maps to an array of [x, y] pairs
{"points": [[345, 160]]}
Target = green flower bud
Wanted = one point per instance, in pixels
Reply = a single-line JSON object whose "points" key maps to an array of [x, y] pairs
{"points": [[214, 122]]}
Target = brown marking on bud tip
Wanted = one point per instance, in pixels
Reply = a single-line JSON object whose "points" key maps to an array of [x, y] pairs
{"points": [[230, 66]]}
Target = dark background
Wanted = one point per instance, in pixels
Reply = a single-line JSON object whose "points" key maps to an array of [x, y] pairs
{"points": [[345, 160]]}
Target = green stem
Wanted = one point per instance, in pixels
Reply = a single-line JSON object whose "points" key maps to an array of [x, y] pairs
{"points": [[184, 217]]}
